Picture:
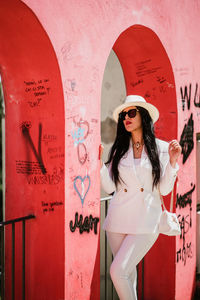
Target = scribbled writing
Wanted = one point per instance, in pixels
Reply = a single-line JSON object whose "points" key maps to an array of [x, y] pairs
{"points": [[185, 220], [50, 206], [87, 224], [48, 138], [28, 167], [185, 251], [186, 94], [185, 199], [137, 82], [187, 139], [36, 90], [37, 153], [79, 135], [145, 67], [53, 178]]}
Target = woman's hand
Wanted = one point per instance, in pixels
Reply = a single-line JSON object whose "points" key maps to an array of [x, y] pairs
{"points": [[101, 148], [174, 152]]}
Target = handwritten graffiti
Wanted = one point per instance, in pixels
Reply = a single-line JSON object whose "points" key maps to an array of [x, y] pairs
{"points": [[185, 224], [186, 94], [28, 167], [36, 90], [187, 139], [144, 68], [137, 82], [84, 192], [50, 179], [38, 154], [82, 153], [160, 79], [185, 199], [196, 96], [77, 276], [78, 135], [185, 251], [70, 90], [50, 206], [55, 152], [48, 138], [88, 224]]}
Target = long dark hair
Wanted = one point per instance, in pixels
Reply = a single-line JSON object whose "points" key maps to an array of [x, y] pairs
{"points": [[122, 142]]}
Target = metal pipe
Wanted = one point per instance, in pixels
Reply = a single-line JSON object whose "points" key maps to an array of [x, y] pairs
{"points": [[105, 198], [23, 260], [2, 263], [16, 220], [13, 261]]}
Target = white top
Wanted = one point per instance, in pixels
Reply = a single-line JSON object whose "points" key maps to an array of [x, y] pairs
{"points": [[137, 161], [134, 207]]}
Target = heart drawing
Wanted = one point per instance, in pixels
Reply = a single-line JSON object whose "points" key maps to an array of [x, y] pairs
{"points": [[83, 192]]}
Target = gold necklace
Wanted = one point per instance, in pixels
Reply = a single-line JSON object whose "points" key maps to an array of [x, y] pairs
{"points": [[137, 145]]}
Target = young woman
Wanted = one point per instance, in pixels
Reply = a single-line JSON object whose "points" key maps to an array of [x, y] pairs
{"points": [[140, 167]]}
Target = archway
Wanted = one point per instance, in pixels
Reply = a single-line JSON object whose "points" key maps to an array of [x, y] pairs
{"points": [[34, 128], [147, 71]]}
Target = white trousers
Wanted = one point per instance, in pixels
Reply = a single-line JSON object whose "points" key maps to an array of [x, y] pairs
{"points": [[128, 250]]}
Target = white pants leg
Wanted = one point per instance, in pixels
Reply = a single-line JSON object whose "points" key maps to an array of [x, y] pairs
{"points": [[128, 251]]}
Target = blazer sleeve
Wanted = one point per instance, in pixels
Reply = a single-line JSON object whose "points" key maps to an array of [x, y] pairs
{"points": [[168, 175], [106, 181]]}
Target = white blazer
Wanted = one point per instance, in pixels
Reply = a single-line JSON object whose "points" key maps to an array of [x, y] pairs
{"points": [[134, 207]]}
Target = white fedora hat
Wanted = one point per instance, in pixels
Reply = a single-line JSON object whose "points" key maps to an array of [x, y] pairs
{"points": [[135, 100]]}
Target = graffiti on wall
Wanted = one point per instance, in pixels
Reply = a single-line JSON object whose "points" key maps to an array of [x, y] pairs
{"points": [[186, 250], [50, 206], [35, 170], [84, 191], [36, 91], [79, 136], [81, 184], [189, 96], [37, 153], [88, 224], [187, 139], [186, 95]]}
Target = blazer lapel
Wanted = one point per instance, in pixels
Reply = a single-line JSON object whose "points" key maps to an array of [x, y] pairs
{"points": [[144, 157]]}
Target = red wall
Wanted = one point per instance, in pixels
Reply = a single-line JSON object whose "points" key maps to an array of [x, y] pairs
{"points": [[148, 72], [34, 120], [82, 34]]}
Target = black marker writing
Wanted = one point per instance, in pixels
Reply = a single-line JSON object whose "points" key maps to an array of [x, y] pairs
{"points": [[84, 225]]}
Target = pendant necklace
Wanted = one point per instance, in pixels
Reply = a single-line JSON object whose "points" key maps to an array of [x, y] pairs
{"points": [[137, 145]]}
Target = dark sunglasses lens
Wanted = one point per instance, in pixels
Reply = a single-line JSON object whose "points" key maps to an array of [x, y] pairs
{"points": [[132, 113], [122, 115]]}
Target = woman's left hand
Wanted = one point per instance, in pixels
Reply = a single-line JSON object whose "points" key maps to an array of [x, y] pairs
{"points": [[174, 151]]}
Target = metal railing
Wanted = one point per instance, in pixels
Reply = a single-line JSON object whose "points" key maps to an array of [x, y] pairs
{"points": [[2, 270], [107, 290]]}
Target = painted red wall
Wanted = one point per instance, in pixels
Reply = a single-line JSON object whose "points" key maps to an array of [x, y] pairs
{"points": [[34, 122], [82, 34], [148, 72]]}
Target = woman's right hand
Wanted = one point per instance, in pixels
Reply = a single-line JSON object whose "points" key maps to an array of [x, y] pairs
{"points": [[101, 149]]}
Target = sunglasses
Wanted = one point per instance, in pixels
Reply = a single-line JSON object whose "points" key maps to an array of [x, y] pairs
{"points": [[131, 113]]}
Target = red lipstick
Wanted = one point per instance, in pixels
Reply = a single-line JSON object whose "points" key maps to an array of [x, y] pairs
{"points": [[128, 122]]}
